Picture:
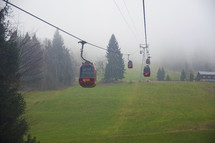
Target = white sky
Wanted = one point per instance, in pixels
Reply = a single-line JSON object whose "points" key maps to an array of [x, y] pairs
{"points": [[175, 28]]}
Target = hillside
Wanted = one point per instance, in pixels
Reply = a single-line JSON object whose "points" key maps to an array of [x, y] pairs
{"points": [[139, 112]]}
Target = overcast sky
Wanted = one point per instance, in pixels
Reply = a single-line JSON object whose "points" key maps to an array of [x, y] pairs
{"points": [[175, 28]]}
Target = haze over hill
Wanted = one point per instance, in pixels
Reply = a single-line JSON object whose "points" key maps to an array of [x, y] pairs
{"points": [[179, 32]]}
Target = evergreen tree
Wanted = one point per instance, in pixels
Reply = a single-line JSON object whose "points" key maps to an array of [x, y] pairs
{"points": [[115, 67], [191, 76], [100, 68], [183, 75], [161, 74], [31, 140], [12, 124], [31, 61], [168, 78], [49, 66], [59, 66]]}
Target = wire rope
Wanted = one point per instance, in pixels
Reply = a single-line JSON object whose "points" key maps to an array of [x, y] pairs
{"points": [[126, 22], [130, 17], [60, 29]]}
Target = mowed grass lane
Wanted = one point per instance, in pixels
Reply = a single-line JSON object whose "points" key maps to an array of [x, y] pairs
{"points": [[140, 112]]}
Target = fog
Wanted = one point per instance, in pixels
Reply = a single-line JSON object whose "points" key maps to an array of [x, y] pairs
{"points": [[179, 31]]}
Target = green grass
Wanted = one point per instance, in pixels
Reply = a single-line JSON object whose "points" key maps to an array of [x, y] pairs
{"points": [[170, 112], [135, 74]]}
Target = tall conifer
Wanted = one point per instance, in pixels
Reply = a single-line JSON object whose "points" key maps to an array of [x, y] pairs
{"points": [[59, 67], [12, 105], [115, 66], [183, 75]]}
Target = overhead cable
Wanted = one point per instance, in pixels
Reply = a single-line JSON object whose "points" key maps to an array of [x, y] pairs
{"points": [[130, 17], [60, 29], [126, 22]]}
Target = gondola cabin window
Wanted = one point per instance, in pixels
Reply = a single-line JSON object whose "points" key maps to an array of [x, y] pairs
{"points": [[147, 71], [147, 61], [130, 64], [87, 71]]}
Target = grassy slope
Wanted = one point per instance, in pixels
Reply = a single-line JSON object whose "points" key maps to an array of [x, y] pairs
{"points": [[140, 112], [134, 75]]}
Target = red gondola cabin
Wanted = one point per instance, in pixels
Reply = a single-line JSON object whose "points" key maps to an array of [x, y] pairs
{"points": [[146, 72], [148, 61], [130, 64], [87, 77]]}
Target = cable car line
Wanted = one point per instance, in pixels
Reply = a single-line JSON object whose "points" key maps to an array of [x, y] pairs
{"points": [[60, 29], [125, 20], [87, 71], [43, 20], [129, 15]]}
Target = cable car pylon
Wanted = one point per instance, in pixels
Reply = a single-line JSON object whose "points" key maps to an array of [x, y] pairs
{"points": [[146, 70]]}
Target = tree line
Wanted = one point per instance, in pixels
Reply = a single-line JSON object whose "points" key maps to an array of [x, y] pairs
{"points": [[183, 76], [50, 65], [26, 64], [47, 65]]}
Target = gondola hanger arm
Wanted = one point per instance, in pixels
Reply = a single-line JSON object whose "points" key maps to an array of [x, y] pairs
{"points": [[82, 50]]}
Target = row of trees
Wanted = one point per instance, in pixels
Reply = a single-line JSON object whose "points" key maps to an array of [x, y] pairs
{"points": [[183, 76], [25, 64], [44, 66], [161, 75], [59, 67], [49, 65], [30, 59]]}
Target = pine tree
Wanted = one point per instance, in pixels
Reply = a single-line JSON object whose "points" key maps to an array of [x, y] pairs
{"points": [[31, 61], [115, 67], [12, 105], [161, 74], [183, 75], [49, 64], [59, 66], [100, 68], [191, 76], [168, 78]]}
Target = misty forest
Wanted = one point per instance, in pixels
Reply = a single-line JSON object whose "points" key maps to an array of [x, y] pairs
{"points": [[143, 72]]}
